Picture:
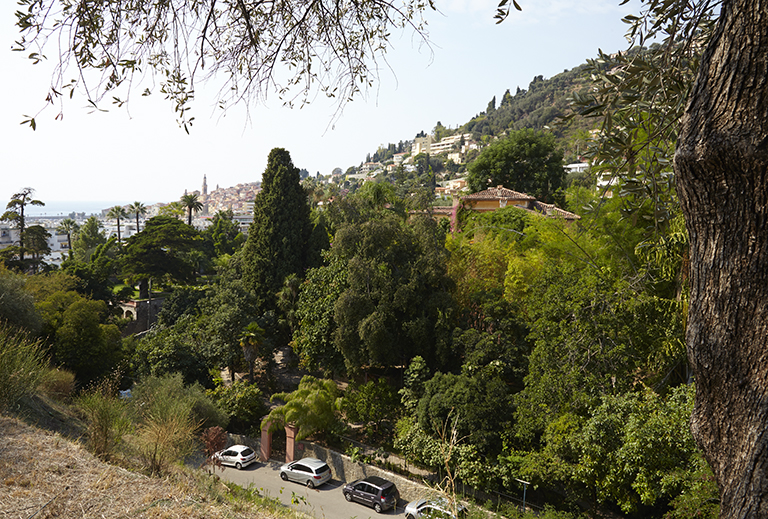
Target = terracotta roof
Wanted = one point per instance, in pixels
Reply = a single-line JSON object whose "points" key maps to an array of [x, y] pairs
{"points": [[554, 211], [498, 193]]}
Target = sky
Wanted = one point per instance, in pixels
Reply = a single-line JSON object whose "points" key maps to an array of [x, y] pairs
{"points": [[139, 153]]}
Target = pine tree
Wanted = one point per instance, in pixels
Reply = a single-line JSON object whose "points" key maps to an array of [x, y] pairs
{"points": [[278, 238]]}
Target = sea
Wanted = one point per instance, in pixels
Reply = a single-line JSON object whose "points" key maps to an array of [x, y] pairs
{"points": [[63, 208]]}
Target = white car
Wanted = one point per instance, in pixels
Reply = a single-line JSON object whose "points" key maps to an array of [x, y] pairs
{"points": [[307, 471], [438, 508], [237, 456]]}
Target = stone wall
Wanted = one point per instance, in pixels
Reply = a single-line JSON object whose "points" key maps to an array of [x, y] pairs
{"points": [[346, 470], [342, 466]]}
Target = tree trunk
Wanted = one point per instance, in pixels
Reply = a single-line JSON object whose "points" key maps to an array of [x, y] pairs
{"points": [[722, 173]]}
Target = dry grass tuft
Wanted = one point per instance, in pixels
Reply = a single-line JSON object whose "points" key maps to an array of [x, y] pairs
{"points": [[43, 473]]}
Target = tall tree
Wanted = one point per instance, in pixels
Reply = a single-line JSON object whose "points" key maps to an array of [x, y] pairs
{"points": [[15, 213], [88, 238], [157, 252], [281, 229], [527, 161], [117, 213], [722, 167], [36, 238], [192, 205], [138, 210], [68, 226]]}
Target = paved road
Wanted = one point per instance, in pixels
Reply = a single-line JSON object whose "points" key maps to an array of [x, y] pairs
{"points": [[326, 502]]}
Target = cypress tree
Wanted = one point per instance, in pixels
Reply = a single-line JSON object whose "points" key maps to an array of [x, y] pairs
{"points": [[277, 243]]}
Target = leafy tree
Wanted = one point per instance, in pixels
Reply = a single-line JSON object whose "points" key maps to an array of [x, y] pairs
{"points": [[178, 349], [174, 209], [480, 408], [117, 213], [138, 210], [192, 204], [416, 375], [313, 408], [36, 239], [244, 403], [81, 338], [228, 309], [87, 239], [371, 403], [527, 161], [224, 234], [15, 214], [314, 340], [398, 296], [156, 252], [281, 228], [97, 274]]}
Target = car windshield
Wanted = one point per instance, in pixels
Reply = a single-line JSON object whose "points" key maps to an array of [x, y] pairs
{"points": [[389, 491], [247, 452], [322, 468]]}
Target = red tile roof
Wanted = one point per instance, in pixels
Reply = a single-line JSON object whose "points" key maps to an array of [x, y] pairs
{"points": [[498, 193]]}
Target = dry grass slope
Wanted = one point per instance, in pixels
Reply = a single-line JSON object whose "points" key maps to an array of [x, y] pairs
{"points": [[45, 474]]}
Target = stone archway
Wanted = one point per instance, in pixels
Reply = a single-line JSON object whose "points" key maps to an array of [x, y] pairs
{"points": [[290, 442]]}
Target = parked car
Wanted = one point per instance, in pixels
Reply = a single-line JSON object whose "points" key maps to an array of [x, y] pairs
{"points": [[438, 508], [238, 456], [373, 491], [307, 471]]}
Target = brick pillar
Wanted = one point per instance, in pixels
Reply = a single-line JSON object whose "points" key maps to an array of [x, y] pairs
{"points": [[266, 442], [290, 442]]}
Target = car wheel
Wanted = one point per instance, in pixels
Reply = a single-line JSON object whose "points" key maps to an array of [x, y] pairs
{"points": [[377, 507], [284, 476], [310, 484], [409, 516], [239, 466], [348, 497]]}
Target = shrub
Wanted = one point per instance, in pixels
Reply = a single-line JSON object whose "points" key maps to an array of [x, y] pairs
{"points": [[243, 403], [22, 365], [168, 415], [58, 384], [107, 416]]}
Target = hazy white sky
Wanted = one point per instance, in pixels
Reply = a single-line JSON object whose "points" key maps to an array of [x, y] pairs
{"points": [[140, 153]]}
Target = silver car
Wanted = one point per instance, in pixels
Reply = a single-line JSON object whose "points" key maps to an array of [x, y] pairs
{"points": [[438, 508], [307, 471], [238, 456]]}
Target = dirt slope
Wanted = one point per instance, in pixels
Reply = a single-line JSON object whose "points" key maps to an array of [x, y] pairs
{"points": [[45, 474]]}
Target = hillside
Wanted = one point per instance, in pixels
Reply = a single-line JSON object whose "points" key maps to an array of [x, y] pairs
{"points": [[541, 105], [46, 474]]}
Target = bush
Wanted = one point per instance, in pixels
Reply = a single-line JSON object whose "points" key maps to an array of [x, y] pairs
{"points": [[168, 415], [22, 366], [58, 384], [243, 403], [107, 416]]}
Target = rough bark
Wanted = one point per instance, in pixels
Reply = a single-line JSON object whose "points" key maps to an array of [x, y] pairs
{"points": [[722, 168]]}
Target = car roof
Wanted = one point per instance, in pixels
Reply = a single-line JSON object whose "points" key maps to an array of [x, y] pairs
{"points": [[238, 448], [378, 481], [311, 462]]}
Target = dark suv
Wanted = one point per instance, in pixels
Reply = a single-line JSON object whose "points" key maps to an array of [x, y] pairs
{"points": [[373, 491]]}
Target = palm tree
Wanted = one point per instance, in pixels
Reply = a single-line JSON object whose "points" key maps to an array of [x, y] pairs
{"points": [[192, 204], [68, 226], [117, 213], [250, 340], [138, 209]]}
